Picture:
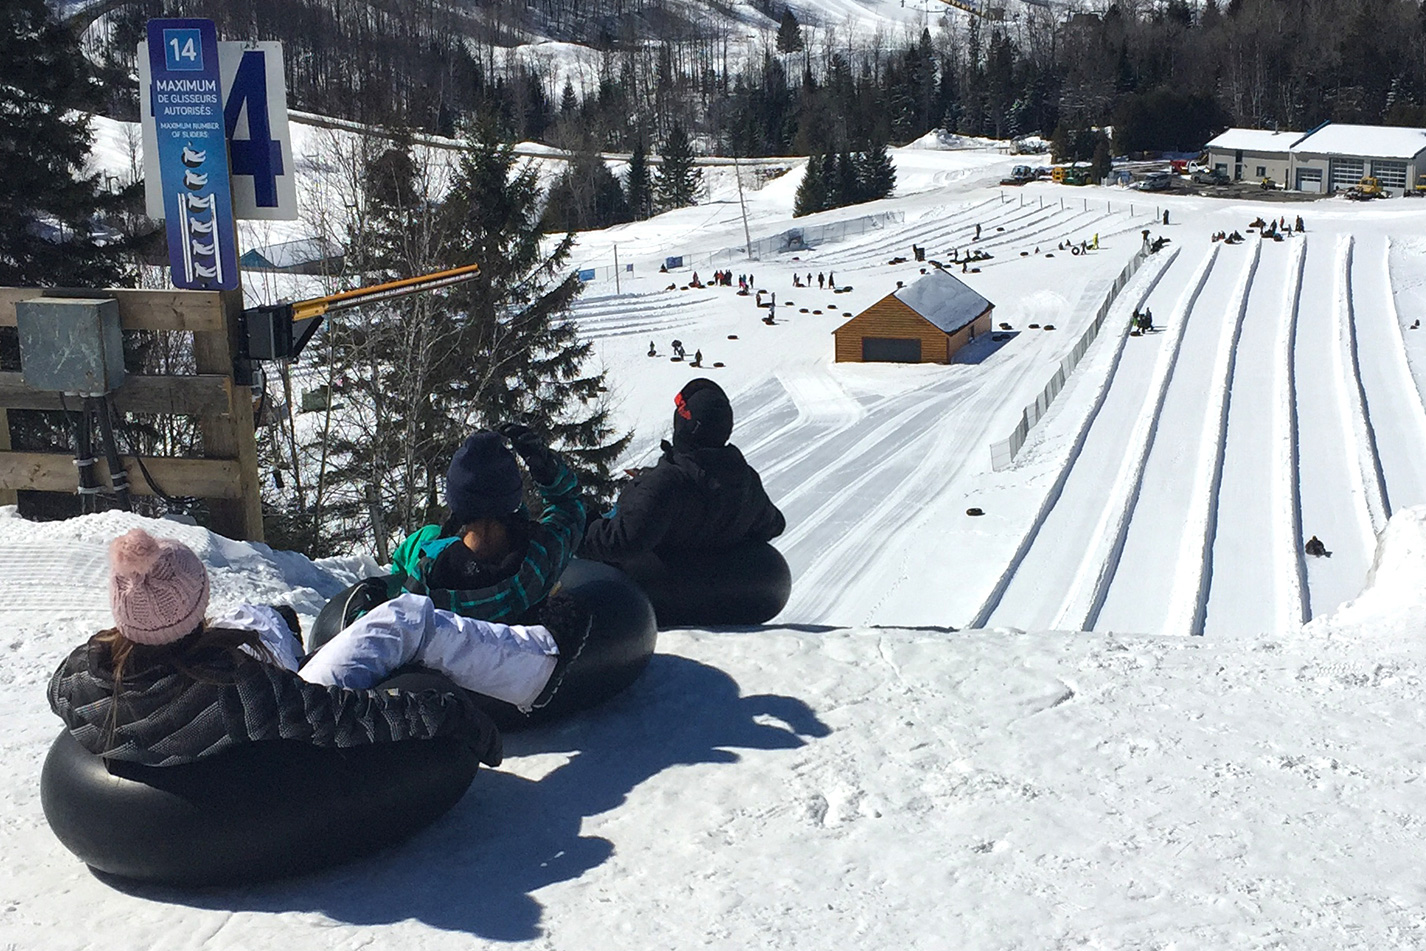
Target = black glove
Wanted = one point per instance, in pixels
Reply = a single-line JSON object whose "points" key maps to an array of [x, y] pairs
{"points": [[538, 457], [480, 735]]}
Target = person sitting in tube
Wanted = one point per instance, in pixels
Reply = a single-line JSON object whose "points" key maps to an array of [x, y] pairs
{"points": [[166, 686], [489, 559], [701, 495]]}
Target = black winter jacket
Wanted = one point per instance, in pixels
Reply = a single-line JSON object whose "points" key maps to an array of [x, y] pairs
{"points": [[166, 717], [692, 500]]}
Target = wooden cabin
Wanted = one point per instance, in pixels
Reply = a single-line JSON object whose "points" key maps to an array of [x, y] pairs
{"points": [[926, 322]]}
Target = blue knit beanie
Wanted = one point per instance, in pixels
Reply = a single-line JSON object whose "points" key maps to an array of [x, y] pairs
{"points": [[483, 480]]}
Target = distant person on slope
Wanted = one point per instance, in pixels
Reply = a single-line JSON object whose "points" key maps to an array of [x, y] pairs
{"points": [[701, 496], [489, 559]]}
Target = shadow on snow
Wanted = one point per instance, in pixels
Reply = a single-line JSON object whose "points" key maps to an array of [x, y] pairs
{"points": [[475, 869]]}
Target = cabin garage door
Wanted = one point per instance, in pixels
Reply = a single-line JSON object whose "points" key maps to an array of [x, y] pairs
{"points": [[1309, 180], [1389, 174], [1346, 173], [890, 350]]}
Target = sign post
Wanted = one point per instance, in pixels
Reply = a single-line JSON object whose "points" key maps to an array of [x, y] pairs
{"points": [[186, 100]]}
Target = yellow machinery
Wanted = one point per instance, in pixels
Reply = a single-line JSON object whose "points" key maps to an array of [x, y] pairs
{"points": [[1366, 189], [280, 331]]}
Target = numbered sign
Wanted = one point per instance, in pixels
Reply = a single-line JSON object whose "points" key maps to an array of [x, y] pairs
{"points": [[190, 152], [254, 95]]}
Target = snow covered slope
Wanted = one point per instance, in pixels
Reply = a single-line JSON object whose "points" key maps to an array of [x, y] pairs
{"points": [[859, 770], [803, 787]]}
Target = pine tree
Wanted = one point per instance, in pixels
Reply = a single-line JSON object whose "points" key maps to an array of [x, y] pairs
{"points": [[47, 204], [638, 190], [518, 355], [678, 179], [789, 34], [849, 186], [587, 196], [812, 192], [877, 173], [419, 374]]}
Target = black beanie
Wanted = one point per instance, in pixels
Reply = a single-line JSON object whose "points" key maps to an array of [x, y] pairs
{"points": [[702, 416], [483, 480]]}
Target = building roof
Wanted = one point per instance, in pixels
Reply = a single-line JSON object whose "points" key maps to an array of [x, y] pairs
{"points": [[1368, 141], [290, 254], [1255, 140], [943, 300]]}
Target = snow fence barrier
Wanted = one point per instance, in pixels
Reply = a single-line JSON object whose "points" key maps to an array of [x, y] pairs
{"points": [[796, 239], [1002, 453]]}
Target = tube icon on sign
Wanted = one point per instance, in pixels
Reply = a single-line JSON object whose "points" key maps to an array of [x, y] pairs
{"points": [[193, 157], [201, 260], [195, 180]]}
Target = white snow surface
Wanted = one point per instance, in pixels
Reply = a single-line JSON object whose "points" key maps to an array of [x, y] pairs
{"points": [[863, 770]]}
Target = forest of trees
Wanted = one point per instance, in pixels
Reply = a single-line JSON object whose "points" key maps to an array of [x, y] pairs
{"points": [[1166, 73]]}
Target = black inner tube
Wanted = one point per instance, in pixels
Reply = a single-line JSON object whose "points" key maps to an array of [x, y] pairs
{"points": [[258, 812]]}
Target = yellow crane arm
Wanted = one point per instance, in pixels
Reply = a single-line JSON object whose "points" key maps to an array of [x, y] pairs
{"points": [[317, 306], [280, 331]]}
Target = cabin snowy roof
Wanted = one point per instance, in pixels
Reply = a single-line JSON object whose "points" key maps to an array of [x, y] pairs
{"points": [[1370, 141], [290, 254], [943, 300], [1255, 140]]}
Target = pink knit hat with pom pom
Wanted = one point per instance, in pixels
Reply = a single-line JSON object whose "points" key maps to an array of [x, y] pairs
{"points": [[158, 588]]}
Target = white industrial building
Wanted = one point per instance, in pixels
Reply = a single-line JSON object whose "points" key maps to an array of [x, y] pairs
{"points": [[1252, 154], [1332, 157]]}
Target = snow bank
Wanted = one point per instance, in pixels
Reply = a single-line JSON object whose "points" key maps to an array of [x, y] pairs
{"points": [[1393, 603], [942, 139], [64, 565]]}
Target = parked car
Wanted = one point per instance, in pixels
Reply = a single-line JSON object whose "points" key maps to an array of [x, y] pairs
{"points": [[1155, 182], [1211, 176], [1019, 175]]}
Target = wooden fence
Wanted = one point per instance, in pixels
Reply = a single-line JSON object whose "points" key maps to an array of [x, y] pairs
{"points": [[226, 476]]}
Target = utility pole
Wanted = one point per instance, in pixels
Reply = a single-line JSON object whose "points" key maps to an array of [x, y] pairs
{"points": [[747, 235]]}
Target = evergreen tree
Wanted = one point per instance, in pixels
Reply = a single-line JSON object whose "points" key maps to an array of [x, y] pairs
{"points": [[47, 204], [638, 189], [587, 196], [878, 173], [831, 181], [678, 179], [1103, 162], [520, 356], [789, 34], [849, 186], [419, 374], [812, 192]]}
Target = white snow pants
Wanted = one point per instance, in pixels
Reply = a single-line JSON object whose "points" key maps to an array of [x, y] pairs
{"points": [[505, 661]]}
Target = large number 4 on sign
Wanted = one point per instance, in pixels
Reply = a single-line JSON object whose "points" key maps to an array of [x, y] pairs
{"points": [[257, 155]]}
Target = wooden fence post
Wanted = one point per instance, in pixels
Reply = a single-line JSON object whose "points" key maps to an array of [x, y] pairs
{"points": [[231, 436]]}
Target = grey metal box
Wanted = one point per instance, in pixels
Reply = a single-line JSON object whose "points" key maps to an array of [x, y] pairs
{"points": [[70, 345]]}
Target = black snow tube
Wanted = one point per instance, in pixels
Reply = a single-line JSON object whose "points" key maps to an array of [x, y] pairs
{"points": [[620, 643], [747, 584], [257, 812]]}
